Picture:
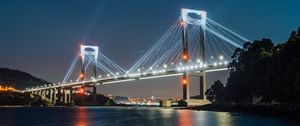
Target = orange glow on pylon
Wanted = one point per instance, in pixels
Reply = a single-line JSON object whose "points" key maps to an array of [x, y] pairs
{"points": [[184, 81], [81, 76], [181, 23], [185, 57], [81, 91]]}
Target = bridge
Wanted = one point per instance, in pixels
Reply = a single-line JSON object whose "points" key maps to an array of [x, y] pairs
{"points": [[193, 46]]}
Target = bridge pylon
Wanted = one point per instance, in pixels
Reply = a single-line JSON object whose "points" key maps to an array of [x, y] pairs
{"points": [[185, 58], [86, 50], [187, 20]]}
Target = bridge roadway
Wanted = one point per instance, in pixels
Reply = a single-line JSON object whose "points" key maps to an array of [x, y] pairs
{"points": [[150, 75]]}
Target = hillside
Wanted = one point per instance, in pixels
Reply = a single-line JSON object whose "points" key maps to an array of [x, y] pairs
{"points": [[19, 79]]}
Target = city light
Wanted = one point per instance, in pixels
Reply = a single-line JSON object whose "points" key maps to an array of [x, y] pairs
{"points": [[6, 88]]}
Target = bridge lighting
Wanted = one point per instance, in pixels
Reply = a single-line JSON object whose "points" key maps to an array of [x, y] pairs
{"points": [[205, 65], [198, 60], [100, 76], [108, 75], [181, 23], [165, 65], [183, 68], [144, 73], [117, 73], [81, 76], [196, 67], [184, 81], [221, 57], [225, 62], [180, 64], [191, 67], [150, 68], [138, 70], [178, 69], [215, 64], [185, 57], [81, 91], [201, 65], [187, 68], [220, 63]]}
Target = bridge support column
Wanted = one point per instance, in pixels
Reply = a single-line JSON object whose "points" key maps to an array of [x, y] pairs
{"points": [[186, 58], [44, 93], [94, 94], [70, 95], [65, 97], [186, 86], [202, 59], [50, 95], [202, 85], [54, 96], [59, 96]]}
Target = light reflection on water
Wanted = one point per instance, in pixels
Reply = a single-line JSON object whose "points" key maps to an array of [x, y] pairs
{"points": [[124, 116], [81, 118]]}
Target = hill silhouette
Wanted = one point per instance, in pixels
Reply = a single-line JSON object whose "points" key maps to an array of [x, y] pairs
{"points": [[19, 79]]}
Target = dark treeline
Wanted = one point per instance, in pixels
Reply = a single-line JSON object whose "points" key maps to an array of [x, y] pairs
{"points": [[9, 98], [101, 100], [262, 73]]}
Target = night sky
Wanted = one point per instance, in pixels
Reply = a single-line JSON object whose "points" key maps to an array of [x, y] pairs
{"points": [[42, 37]]}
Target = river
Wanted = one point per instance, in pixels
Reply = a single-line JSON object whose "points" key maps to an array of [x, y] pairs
{"points": [[129, 116]]}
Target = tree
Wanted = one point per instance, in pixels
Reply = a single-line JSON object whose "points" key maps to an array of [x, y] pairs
{"points": [[214, 91], [262, 70]]}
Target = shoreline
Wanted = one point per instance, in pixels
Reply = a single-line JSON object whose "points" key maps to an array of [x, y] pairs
{"points": [[268, 111]]}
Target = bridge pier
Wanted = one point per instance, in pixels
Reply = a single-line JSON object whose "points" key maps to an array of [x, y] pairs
{"points": [[54, 96], [70, 95], [186, 86], [44, 93], [59, 96], [202, 85], [65, 97], [50, 95], [94, 93]]}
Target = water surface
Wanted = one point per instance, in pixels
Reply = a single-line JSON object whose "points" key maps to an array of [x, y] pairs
{"points": [[130, 116]]}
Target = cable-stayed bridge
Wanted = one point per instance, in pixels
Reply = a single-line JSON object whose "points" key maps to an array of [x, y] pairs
{"points": [[192, 46]]}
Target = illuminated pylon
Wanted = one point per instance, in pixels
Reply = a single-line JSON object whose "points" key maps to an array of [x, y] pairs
{"points": [[86, 50], [187, 20]]}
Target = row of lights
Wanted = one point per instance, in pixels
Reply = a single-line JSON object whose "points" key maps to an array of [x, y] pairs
{"points": [[154, 72], [193, 67]]}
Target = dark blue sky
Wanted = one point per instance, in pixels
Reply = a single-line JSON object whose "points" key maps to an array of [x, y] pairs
{"points": [[42, 37]]}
